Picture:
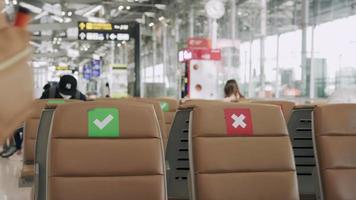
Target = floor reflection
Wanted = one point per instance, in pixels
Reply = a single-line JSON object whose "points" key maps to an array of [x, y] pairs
{"points": [[9, 179]]}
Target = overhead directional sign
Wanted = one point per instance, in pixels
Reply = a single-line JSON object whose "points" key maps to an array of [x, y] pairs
{"points": [[104, 31], [104, 36], [90, 26]]}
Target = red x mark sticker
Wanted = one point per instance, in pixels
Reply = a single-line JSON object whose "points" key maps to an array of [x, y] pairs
{"points": [[238, 121]]}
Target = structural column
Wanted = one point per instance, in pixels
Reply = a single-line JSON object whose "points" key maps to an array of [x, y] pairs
{"points": [[305, 21], [112, 53], [251, 92], [165, 56], [154, 51], [191, 21], [233, 33], [312, 55], [137, 36], [262, 43], [277, 68]]}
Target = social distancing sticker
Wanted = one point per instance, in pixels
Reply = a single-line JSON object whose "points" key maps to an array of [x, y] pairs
{"points": [[104, 122], [164, 106], [59, 101], [238, 122]]}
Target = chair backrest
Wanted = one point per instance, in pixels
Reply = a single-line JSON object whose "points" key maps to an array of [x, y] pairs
{"points": [[335, 144], [300, 132], [286, 106], [157, 107], [105, 150], [30, 131], [31, 127], [240, 151], [159, 112], [169, 107], [177, 157], [42, 140], [39, 186]]}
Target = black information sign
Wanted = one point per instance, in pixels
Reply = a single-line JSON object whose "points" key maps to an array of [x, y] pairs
{"points": [[116, 32], [104, 31]]}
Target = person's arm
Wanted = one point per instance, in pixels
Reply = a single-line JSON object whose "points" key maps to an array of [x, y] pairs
{"points": [[45, 94], [14, 55], [83, 97]]}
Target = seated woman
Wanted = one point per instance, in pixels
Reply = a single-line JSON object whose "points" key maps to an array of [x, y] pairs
{"points": [[232, 91]]}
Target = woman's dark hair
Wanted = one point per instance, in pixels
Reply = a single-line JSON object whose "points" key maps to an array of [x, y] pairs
{"points": [[231, 88]]}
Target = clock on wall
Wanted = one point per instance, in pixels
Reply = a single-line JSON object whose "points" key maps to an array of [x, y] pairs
{"points": [[215, 9]]}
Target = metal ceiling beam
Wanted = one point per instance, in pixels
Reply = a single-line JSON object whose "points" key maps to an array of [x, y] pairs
{"points": [[239, 2], [59, 54], [51, 26]]}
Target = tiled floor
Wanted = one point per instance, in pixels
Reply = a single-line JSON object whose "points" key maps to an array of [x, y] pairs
{"points": [[9, 180]]}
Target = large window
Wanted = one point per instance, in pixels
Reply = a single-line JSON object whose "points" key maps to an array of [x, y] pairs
{"points": [[333, 61]]}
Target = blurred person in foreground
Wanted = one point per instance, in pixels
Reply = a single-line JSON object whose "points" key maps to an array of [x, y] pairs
{"points": [[16, 80], [232, 92]]}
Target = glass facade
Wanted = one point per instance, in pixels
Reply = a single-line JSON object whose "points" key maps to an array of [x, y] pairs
{"points": [[330, 44]]}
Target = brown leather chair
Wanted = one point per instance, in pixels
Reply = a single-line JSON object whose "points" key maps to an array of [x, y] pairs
{"points": [[300, 132], [286, 106], [168, 112], [240, 151], [30, 131], [30, 134], [193, 102], [335, 145], [129, 165], [157, 107], [159, 113]]}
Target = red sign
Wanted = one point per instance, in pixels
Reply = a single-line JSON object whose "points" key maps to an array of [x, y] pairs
{"points": [[206, 54], [199, 43], [199, 54], [238, 122]]}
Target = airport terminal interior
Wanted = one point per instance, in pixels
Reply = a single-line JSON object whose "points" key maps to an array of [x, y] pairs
{"points": [[183, 100]]}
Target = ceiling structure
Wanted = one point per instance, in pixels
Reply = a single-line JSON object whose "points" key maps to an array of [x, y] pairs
{"points": [[54, 23], [286, 15]]}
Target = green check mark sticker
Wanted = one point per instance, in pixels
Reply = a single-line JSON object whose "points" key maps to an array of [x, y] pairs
{"points": [[103, 122], [164, 106]]}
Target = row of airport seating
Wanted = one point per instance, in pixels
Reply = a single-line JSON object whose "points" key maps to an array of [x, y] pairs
{"points": [[321, 182], [211, 150], [165, 116]]}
